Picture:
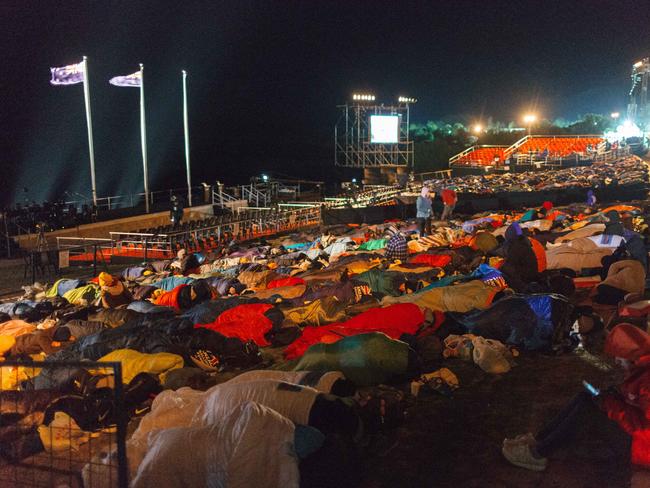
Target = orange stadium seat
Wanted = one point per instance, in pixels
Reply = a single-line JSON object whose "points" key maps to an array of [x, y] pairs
{"points": [[482, 156], [557, 146]]}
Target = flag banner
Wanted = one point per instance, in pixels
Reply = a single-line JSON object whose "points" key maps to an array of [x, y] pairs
{"points": [[134, 79], [68, 75]]}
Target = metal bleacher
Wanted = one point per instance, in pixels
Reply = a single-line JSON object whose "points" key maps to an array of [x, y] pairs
{"points": [[530, 149]]}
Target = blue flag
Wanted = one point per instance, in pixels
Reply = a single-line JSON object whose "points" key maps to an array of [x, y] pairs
{"points": [[134, 79], [68, 75]]}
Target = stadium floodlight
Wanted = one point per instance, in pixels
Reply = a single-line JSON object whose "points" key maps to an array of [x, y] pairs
{"points": [[530, 118], [406, 100], [477, 129], [363, 97], [265, 178], [615, 115]]}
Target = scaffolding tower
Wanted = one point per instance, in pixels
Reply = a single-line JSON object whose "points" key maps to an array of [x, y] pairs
{"points": [[353, 147], [638, 110]]}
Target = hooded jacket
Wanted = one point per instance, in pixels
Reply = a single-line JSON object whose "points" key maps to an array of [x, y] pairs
{"points": [[521, 264], [423, 205], [631, 409]]}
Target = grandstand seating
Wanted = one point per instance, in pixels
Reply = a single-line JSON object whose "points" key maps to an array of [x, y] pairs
{"points": [[556, 146], [482, 156]]}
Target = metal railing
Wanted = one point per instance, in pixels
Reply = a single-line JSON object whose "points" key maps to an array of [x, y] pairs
{"points": [[376, 195], [68, 454], [433, 175], [222, 198], [72, 242], [461, 154], [134, 199], [249, 223], [253, 195]]}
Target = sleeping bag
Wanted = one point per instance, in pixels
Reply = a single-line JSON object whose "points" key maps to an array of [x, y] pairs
{"points": [[532, 322], [402, 318], [366, 359], [246, 322]]}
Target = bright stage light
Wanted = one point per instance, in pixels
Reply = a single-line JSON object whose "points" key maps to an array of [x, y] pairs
{"points": [[478, 128], [638, 64], [615, 115], [265, 178], [624, 131], [364, 97]]}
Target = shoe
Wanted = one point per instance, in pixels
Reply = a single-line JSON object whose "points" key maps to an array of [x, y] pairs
{"points": [[205, 360], [526, 438], [520, 454]]}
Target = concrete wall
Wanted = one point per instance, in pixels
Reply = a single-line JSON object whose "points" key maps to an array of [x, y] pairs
{"points": [[127, 224]]}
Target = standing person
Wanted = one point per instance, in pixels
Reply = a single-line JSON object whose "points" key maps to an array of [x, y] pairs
{"points": [[449, 199], [176, 211], [424, 212], [626, 407]]}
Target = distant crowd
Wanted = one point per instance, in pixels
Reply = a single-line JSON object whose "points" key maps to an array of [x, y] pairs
{"points": [[47, 216]]}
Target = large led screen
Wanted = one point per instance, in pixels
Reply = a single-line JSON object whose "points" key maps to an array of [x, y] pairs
{"points": [[384, 129]]}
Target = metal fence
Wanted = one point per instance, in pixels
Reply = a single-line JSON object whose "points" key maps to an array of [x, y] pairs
{"points": [[87, 256], [247, 224], [72, 435]]}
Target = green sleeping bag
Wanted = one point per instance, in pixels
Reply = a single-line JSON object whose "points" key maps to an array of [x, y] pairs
{"points": [[365, 359]]}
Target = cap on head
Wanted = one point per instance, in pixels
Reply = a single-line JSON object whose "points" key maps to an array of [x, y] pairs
{"points": [[105, 279]]}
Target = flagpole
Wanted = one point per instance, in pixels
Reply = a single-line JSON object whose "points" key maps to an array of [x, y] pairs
{"points": [[187, 141], [89, 123], [143, 137]]}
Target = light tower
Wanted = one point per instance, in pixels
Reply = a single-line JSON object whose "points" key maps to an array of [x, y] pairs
{"points": [[638, 110]]}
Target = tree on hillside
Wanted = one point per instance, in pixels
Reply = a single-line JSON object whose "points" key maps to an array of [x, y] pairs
{"points": [[591, 124]]}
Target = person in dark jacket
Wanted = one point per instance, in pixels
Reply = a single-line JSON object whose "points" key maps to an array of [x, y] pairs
{"points": [[424, 212], [520, 265], [176, 211]]}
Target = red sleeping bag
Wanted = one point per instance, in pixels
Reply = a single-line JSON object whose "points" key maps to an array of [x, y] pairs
{"points": [[434, 260], [170, 298], [288, 281], [394, 320], [246, 322]]}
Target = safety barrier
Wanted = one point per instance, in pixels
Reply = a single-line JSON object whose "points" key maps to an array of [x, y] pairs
{"points": [[374, 196], [70, 434], [250, 223]]}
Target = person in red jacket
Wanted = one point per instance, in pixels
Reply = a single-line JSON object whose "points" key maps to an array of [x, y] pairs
{"points": [[449, 199], [626, 408]]}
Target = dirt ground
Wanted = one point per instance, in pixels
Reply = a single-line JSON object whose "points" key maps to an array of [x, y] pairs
{"points": [[456, 442]]}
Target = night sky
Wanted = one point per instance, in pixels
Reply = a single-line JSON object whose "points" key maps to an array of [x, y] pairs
{"points": [[265, 78]]}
